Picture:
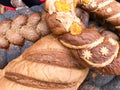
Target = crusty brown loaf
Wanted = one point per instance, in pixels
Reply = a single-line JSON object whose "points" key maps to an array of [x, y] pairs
{"points": [[47, 65]]}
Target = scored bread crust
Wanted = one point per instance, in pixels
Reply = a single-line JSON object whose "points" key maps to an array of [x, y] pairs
{"points": [[35, 70], [10, 85], [26, 71]]}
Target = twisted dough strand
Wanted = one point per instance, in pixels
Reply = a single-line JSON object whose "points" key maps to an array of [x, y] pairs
{"points": [[107, 9], [89, 47], [22, 28]]}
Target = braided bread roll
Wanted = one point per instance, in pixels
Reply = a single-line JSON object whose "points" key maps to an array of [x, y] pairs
{"points": [[93, 50], [22, 28], [19, 32], [107, 9], [46, 65], [88, 46]]}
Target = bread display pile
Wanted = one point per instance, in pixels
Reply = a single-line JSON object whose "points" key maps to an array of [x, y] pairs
{"points": [[89, 46], [74, 56], [23, 27]]}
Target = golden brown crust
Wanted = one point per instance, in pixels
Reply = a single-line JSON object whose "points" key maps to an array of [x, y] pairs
{"points": [[28, 81], [42, 69], [51, 48], [54, 59], [7, 85]]}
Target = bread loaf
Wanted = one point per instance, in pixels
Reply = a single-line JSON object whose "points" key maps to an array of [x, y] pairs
{"points": [[46, 65], [22, 28]]}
